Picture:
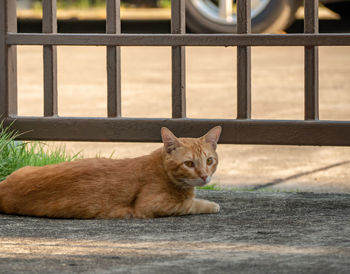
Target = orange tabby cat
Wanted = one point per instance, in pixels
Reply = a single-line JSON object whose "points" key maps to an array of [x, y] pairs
{"points": [[159, 184]]}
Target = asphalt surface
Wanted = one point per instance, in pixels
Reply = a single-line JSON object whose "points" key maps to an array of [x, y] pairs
{"points": [[253, 233]]}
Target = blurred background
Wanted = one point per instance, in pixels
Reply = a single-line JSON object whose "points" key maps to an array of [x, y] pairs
{"points": [[202, 16], [277, 84]]}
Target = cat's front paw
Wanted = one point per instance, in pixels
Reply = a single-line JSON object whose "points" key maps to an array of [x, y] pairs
{"points": [[214, 207], [203, 207]]}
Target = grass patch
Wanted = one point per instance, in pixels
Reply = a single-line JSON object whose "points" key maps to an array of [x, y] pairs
{"points": [[14, 155], [263, 190], [210, 187], [89, 4], [248, 189], [66, 4]]}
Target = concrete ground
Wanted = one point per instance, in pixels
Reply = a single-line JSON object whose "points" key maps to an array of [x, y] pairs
{"points": [[136, 13], [253, 233]]}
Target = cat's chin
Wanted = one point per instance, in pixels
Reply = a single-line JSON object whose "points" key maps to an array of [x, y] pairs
{"points": [[195, 182], [201, 183]]}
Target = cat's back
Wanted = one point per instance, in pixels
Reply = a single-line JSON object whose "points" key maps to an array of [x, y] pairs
{"points": [[81, 188], [84, 167], [86, 175]]}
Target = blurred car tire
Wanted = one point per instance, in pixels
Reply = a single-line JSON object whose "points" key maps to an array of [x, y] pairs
{"points": [[274, 16], [342, 8]]}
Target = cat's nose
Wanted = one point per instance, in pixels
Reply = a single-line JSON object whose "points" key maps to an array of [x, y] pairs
{"points": [[204, 178]]}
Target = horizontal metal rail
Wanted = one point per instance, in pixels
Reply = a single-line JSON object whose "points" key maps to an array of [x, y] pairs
{"points": [[272, 132], [179, 39]]}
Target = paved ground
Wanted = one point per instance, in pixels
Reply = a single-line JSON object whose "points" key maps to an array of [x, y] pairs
{"points": [[253, 233], [136, 13]]}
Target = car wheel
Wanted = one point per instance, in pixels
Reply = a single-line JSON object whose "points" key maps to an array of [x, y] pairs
{"points": [[342, 8], [219, 16]]}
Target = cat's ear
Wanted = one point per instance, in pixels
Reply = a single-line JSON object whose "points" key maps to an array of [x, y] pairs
{"points": [[169, 140], [213, 135]]}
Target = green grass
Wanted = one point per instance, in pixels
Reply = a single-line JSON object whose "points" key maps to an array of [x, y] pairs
{"points": [[14, 155], [81, 4], [164, 3], [210, 187], [247, 189], [87, 4]]}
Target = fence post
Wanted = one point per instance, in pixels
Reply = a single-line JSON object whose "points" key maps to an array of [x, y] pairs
{"points": [[50, 59], [243, 62], [8, 60], [178, 26], [311, 62], [113, 60]]}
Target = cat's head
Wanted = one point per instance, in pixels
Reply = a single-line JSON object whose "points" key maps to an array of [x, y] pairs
{"points": [[190, 161]]}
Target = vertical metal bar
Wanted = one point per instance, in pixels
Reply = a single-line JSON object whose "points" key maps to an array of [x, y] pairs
{"points": [[3, 60], [113, 60], [8, 60], [243, 62], [50, 59], [311, 102], [178, 61]]}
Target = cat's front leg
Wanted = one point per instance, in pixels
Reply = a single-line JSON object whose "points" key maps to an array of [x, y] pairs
{"points": [[118, 212], [198, 206]]}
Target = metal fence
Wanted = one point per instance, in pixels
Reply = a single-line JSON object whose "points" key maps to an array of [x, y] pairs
{"points": [[114, 127]]}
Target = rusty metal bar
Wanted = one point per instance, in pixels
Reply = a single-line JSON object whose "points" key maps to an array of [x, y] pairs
{"points": [[178, 61], [272, 132], [8, 60], [113, 60], [243, 62], [311, 102], [50, 59], [333, 39]]}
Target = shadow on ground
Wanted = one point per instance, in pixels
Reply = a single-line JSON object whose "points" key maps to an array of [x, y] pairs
{"points": [[253, 233], [159, 26]]}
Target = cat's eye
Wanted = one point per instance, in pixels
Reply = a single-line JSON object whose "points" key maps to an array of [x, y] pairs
{"points": [[189, 164], [210, 161]]}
